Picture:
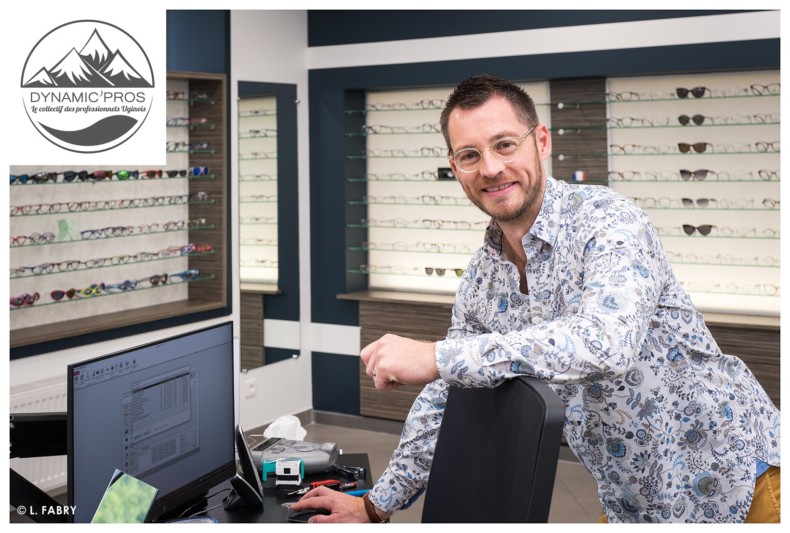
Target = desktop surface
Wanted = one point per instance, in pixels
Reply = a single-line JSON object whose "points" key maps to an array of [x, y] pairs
{"points": [[273, 510], [273, 499]]}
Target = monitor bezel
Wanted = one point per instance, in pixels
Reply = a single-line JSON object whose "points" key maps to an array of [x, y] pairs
{"points": [[165, 504]]}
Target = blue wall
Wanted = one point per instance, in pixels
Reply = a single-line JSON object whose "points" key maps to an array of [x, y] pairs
{"points": [[198, 41], [332, 27]]}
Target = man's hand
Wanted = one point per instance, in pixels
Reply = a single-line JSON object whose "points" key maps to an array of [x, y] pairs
{"points": [[393, 361], [344, 508]]}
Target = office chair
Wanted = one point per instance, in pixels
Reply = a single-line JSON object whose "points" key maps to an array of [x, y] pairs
{"points": [[496, 454]]}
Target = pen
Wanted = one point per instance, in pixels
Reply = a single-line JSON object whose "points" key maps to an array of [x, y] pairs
{"points": [[358, 492]]}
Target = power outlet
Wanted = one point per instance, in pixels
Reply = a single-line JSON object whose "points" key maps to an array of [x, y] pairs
{"points": [[250, 388]]}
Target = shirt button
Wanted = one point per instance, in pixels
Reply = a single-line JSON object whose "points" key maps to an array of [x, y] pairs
{"points": [[655, 323], [537, 320]]}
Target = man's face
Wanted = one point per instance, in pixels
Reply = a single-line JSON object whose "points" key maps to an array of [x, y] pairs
{"points": [[508, 192]]}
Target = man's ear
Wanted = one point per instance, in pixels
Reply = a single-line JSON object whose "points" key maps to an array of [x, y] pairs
{"points": [[454, 169], [543, 139]]}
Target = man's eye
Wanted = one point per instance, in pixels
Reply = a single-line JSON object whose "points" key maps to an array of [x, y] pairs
{"points": [[468, 156]]}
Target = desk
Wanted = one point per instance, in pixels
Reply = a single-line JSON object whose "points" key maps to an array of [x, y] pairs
{"points": [[273, 511]]}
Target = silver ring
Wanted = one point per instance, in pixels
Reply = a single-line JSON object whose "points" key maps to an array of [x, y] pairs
{"points": [[373, 373]]}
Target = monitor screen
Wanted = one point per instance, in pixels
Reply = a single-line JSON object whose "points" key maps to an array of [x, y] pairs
{"points": [[163, 413]]}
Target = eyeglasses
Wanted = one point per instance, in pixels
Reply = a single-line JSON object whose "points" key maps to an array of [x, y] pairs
{"points": [[696, 119], [99, 175], [400, 176], [264, 132], [125, 285], [770, 203], [186, 121], [635, 122], [259, 155], [624, 96], [698, 175], [433, 103], [699, 202], [771, 88], [94, 289], [441, 247], [187, 275], [639, 149], [768, 175], [426, 127], [262, 111], [71, 175], [469, 159], [177, 146], [58, 294], [696, 92], [260, 198], [262, 263], [198, 171], [258, 220], [381, 269], [176, 95], [763, 146], [21, 178], [705, 229], [110, 231], [43, 177], [652, 203], [126, 174], [24, 299], [38, 209], [151, 173], [440, 271], [719, 259], [156, 279], [697, 147], [636, 175], [253, 177], [33, 238]]}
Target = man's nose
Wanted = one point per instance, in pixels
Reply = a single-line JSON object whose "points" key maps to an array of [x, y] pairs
{"points": [[490, 165]]}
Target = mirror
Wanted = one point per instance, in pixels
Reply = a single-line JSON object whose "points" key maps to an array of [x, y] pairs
{"points": [[268, 223]]}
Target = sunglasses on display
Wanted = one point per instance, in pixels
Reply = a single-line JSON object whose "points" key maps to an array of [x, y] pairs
{"points": [[696, 92], [24, 299], [705, 229]]}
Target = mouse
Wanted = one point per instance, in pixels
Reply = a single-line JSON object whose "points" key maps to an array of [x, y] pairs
{"points": [[304, 515]]}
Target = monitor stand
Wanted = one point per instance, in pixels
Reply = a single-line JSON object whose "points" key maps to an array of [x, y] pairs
{"points": [[194, 506]]}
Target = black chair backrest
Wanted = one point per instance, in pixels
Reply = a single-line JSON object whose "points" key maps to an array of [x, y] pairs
{"points": [[496, 454]]}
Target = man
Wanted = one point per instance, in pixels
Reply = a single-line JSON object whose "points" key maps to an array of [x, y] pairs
{"points": [[573, 286]]}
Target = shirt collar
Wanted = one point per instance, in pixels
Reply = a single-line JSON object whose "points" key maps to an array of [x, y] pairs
{"points": [[546, 226]]}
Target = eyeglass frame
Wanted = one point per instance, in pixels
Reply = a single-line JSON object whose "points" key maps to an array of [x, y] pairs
{"points": [[519, 141]]}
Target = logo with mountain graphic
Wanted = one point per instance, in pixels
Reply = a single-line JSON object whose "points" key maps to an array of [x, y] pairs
{"points": [[87, 86]]}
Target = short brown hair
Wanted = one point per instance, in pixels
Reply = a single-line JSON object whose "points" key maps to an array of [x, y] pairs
{"points": [[477, 90]]}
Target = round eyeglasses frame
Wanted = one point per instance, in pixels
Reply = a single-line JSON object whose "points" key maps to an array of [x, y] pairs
{"points": [[479, 151]]}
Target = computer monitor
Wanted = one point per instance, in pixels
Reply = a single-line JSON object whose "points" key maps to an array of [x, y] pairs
{"points": [[162, 412]]}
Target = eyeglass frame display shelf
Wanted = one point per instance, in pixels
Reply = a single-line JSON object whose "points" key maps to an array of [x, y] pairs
{"points": [[207, 296], [762, 114], [264, 112]]}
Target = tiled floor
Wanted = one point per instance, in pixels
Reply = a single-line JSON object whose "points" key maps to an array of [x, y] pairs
{"points": [[574, 499]]}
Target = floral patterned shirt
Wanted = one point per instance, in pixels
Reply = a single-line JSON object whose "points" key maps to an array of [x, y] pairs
{"points": [[668, 426]]}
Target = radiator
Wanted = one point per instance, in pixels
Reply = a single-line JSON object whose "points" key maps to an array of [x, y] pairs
{"points": [[46, 395]]}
